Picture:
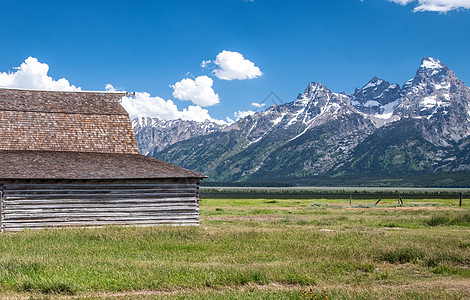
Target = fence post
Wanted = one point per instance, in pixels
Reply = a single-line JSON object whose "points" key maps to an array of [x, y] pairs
{"points": [[400, 200], [350, 199], [460, 200]]}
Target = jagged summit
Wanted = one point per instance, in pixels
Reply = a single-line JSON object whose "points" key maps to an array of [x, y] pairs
{"points": [[378, 97], [373, 82], [431, 68], [315, 85], [429, 90], [431, 63], [437, 95], [314, 89]]}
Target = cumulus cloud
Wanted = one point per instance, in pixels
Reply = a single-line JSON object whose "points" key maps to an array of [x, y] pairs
{"points": [[110, 88], [144, 105], [435, 5], [258, 105], [232, 65], [32, 74], [199, 91], [243, 113]]}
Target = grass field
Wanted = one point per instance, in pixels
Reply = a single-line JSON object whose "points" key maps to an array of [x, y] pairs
{"points": [[255, 249]]}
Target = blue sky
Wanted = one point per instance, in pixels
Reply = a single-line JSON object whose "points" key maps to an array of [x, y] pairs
{"points": [[149, 46]]}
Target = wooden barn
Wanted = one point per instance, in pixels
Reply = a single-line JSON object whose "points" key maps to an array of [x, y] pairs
{"points": [[71, 159]]}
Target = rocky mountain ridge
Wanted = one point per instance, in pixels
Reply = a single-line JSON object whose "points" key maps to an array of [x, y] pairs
{"points": [[381, 129], [153, 135], [378, 98]]}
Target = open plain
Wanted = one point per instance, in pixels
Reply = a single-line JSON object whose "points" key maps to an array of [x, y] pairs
{"points": [[255, 249]]}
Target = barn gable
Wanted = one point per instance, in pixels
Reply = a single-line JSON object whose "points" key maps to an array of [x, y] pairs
{"points": [[65, 121]]}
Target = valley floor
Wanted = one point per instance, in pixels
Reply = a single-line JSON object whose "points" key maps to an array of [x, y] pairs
{"points": [[255, 249]]}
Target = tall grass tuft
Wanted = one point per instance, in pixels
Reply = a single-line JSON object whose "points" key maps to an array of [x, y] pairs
{"points": [[47, 287], [461, 219], [401, 255]]}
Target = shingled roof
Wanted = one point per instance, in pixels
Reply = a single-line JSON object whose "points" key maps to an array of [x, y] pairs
{"points": [[102, 103], [65, 121], [86, 165], [72, 135]]}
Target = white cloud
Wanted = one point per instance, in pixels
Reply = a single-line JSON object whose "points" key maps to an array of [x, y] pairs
{"points": [[232, 65], [402, 2], [435, 5], [258, 105], [199, 91], [32, 74], [243, 113], [144, 105], [206, 63], [110, 88]]}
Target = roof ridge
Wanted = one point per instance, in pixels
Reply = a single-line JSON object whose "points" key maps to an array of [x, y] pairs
{"points": [[64, 91], [65, 102], [65, 112]]}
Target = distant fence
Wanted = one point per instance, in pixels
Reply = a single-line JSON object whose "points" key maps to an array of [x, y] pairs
{"points": [[330, 193]]}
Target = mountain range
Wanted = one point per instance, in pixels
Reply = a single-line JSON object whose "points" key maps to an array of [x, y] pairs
{"points": [[153, 135], [417, 134]]}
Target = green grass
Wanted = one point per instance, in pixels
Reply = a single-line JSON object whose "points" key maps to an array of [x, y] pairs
{"points": [[255, 249]]}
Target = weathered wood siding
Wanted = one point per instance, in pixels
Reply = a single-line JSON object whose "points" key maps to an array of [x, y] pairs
{"points": [[45, 204]]}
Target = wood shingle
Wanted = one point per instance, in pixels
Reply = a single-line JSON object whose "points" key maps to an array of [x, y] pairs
{"points": [[65, 121], [86, 165]]}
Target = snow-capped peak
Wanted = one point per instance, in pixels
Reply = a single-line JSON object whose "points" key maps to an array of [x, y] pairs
{"points": [[373, 83], [313, 91], [314, 87], [431, 68], [377, 98], [431, 63]]}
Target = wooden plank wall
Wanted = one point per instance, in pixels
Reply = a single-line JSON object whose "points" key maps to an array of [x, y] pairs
{"points": [[35, 205]]}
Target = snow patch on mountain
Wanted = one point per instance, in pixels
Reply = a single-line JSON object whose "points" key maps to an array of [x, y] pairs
{"points": [[373, 84], [154, 135], [431, 63]]}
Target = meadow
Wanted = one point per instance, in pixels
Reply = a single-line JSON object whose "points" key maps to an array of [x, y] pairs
{"points": [[264, 248]]}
